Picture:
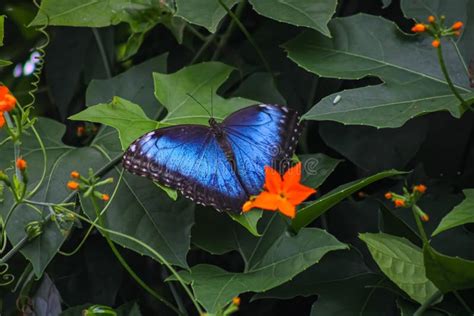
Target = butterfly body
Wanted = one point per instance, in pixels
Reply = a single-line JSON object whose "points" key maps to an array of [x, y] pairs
{"points": [[221, 164]]}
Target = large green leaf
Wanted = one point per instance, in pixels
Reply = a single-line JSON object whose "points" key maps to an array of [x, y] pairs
{"points": [[460, 215], [448, 273], [313, 14], [316, 168], [207, 13], [287, 256], [365, 45], [201, 81], [90, 13], [127, 117], [361, 295], [61, 161], [402, 263], [312, 211]]}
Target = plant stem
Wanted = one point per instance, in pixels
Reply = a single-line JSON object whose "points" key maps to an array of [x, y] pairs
{"points": [[203, 48], [124, 263], [448, 78], [463, 303], [103, 53], [428, 303], [419, 225], [229, 31]]}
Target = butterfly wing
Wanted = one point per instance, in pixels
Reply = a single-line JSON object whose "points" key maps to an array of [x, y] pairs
{"points": [[261, 135], [187, 158]]}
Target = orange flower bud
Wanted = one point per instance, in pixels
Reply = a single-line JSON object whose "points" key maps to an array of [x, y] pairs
{"points": [[105, 197], [418, 28], [73, 185], [420, 188], [80, 131], [457, 26], [399, 203], [425, 217], [75, 175], [21, 164], [431, 19], [2, 120], [435, 43], [388, 195], [457, 33], [236, 301]]}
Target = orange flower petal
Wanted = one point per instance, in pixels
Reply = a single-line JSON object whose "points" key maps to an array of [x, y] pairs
{"points": [[299, 193], [273, 181], [286, 208], [292, 176], [266, 201]]}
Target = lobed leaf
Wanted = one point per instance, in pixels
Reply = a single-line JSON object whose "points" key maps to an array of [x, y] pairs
{"points": [[366, 45]]}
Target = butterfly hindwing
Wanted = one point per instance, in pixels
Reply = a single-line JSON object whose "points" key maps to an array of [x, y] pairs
{"points": [[261, 135], [187, 158]]}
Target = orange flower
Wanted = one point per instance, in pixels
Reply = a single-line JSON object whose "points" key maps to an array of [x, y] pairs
{"points": [[457, 33], [425, 217], [457, 26], [105, 197], [420, 188], [435, 43], [236, 301], [388, 195], [73, 185], [21, 164], [2, 120], [431, 19], [418, 28], [399, 203], [281, 194], [75, 175], [7, 100]]}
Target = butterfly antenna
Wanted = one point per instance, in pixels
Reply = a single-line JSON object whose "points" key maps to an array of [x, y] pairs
{"points": [[189, 95]]}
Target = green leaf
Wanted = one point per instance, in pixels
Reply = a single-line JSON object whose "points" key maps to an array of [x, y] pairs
{"points": [[460, 215], [448, 273], [365, 45], [127, 117], [92, 13], [402, 263], [260, 86], [316, 168], [172, 194], [409, 309], [201, 81], [312, 211], [206, 13], [335, 266], [313, 14], [288, 256], [360, 295], [248, 220], [4, 63], [134, 85]]}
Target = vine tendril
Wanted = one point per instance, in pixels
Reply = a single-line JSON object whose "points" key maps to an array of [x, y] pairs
{"points": [[5, 277]]}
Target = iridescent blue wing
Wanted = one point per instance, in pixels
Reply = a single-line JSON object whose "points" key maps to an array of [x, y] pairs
{"points": [[187, 158], [261, 135]]}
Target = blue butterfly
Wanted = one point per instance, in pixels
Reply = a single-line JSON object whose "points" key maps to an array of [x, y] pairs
{"points": [[222, 164]]}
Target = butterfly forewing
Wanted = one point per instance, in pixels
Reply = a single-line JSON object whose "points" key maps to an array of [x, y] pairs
{"points": [[187, 158]]}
